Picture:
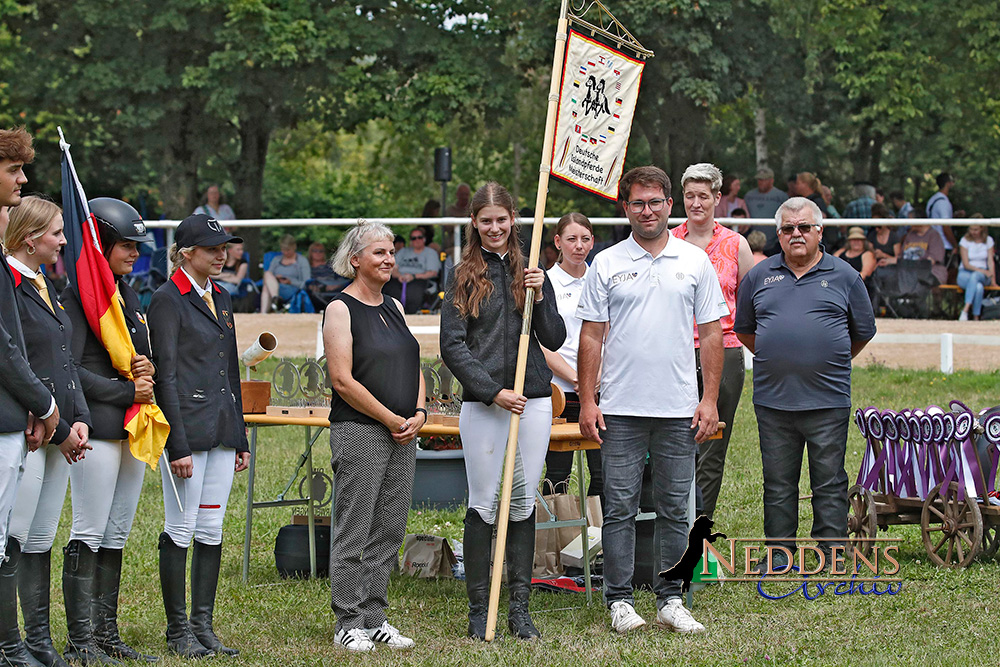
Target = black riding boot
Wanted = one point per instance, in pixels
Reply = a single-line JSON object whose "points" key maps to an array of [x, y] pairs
{"points": [[33, 581], [107, 582], [12, 649], [173, 571], [204, 582], [477, 543], [520, 561], [79, 564]]}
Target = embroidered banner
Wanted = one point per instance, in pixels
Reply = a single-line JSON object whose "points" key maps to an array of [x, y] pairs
{"points": [[600, 86]]}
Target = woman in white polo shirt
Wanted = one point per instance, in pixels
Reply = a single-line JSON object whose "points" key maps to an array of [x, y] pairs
{"points": [[574, 237]]}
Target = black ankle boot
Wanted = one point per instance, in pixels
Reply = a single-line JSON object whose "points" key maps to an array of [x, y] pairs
{"points": [[107, 582], [173, 571], [79, 564], [33, 580], [204, 582], [520, 561], [12, 649], [477, 542]]}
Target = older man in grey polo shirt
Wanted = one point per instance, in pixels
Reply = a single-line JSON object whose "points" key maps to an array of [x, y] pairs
{"points": [[648, 290], [805, 316]]}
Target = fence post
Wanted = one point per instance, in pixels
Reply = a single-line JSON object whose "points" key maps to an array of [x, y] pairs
{"points": [[947, 353]]}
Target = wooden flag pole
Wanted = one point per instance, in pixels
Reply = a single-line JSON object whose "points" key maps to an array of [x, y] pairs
{"points": [[503, 516]]}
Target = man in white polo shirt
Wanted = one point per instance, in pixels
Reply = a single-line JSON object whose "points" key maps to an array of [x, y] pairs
{"points": [[649, 290]]}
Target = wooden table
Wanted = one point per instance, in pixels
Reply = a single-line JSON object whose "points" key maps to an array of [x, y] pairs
{"points": [[564, 438]]}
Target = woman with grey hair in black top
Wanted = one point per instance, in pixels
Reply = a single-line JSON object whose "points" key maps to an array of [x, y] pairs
{"points": [[375, 413], [480, 330]]}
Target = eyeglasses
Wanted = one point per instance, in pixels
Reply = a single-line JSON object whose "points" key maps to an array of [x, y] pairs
{"points": [[416, 238], [655, 205], [788, 230]]}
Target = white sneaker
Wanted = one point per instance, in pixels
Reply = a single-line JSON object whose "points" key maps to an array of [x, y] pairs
{"points": [[964, 317], [624, 617], [354, 639], [675, 616], [390, 636]]}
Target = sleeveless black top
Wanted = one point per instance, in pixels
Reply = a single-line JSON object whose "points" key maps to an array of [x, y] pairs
{"points": [[386, 360]]}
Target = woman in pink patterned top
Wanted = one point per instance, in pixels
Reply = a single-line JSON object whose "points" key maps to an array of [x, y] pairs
{"points": [[730, 254]]}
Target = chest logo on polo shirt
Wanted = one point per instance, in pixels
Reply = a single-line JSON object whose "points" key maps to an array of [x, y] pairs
{"points": [[564, 295], [824, 283], [680, 275], [623, 277], [772, 279]]}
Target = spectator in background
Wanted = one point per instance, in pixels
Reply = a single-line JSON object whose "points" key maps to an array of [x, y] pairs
{"points": [[757, 240], [922, 242], [398, 243], [432, 209], [827, 193], [976, 270], [885, 240], [429, 238], [879, 196], [939, 206], [234, 271], [550, 255], [904, 209], [460, 209], [858, 254], [730, 196], [213, 206], [415, 273], [763, 202], [286, 275], [861, 205], [324, 282]]}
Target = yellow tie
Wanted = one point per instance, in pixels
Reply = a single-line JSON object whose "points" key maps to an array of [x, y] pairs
{"points": [[43, 290], [207, 298]]}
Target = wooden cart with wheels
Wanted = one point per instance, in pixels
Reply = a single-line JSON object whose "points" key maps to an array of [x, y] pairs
{"points": [[934, 469]]}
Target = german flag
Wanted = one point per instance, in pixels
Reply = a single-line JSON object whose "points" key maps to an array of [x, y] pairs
{"points": [[89, 272]]}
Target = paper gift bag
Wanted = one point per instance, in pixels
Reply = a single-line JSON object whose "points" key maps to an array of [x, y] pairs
{"points": [[547, 564], [427, 557]]}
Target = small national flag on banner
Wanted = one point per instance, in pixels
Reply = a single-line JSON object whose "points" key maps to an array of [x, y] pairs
{"points": [[605, 91], [88, 271]]}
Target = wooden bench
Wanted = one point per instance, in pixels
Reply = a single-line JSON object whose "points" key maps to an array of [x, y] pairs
{"points": [[956, 288]]}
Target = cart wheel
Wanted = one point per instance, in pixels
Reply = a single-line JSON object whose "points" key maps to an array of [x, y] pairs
{"points": [[862, 522], [952, 531], [991, 539]]}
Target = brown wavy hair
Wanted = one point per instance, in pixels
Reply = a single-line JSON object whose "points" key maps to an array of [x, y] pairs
{"points": [[472, 283]]}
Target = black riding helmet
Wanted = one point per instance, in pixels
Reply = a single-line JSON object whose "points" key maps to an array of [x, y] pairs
{"points": [[117, 221]]}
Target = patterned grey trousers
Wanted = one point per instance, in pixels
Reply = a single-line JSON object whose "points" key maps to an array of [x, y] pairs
{"points": [[373, 485]]}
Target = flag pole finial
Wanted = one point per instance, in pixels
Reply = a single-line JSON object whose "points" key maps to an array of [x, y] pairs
{"points": [[63, 144]]}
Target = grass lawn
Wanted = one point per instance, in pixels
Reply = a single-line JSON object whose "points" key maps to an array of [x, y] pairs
{"points": [[939, 617]]}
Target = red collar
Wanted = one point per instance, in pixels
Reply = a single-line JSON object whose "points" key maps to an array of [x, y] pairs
{"points": [[180, 279]]}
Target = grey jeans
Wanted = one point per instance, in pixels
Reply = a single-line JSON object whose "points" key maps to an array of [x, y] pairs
{"points": [[782, 437], [671, 449]]}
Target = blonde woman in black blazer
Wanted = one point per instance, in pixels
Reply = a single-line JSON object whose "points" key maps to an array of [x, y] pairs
{"points": [[198, 389], [34, 237]]}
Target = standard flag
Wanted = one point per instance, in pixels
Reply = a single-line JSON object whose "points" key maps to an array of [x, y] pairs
{"points": [[88, 271], [598, 113]]}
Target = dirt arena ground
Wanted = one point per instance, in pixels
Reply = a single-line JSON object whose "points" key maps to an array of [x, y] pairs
{"points": [[297, 335]]}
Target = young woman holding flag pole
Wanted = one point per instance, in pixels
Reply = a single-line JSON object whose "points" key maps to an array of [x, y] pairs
{"points": [[198, 388], [105, 486], [34, 237]]}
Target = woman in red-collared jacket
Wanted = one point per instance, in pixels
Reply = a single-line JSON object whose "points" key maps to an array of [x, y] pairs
{"points": [[198, 388]]}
